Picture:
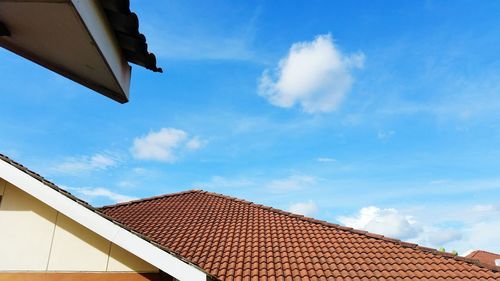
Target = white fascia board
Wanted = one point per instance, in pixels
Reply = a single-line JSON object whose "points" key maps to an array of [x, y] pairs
{"points": [[143, 249], [97, 25]]}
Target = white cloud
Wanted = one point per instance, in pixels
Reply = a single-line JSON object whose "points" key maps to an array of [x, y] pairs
{"points": [[392, 223], [162, 145], [159, 145], [388, 222], [316, 75], [308, 208], [480, 236], [294, 182], [90, 193], [325, 159], [480, 229], [97, 161]]}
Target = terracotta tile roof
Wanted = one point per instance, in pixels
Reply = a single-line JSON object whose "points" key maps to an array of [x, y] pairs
{"points": [[237, 240], [88, 206], [484, 257]]}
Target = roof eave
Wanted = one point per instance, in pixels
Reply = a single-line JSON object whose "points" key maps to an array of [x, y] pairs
{"points": [[90, 218]]}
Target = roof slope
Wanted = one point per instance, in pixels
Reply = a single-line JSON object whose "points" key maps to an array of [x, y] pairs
{"points": [[238, 240], [484, 257], [167, 261]]}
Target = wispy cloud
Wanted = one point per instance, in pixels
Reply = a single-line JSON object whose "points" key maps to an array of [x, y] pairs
{"points": [[325, 159], [163, 144], [201, 48], [316, 75], [98, 161], [125, 183], [384, 135], [439, 181], [308, 208], [224, 182], [294, 182], [195, 143], [454, 99], [93, 193], [197, 40]]}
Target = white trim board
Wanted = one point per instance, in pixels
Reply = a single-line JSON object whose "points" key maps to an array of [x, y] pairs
{"points": [[99, 29], [143, 249]]}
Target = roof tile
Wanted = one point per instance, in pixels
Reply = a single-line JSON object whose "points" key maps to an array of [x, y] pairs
{"points": [[235, 239], [484, 257]]}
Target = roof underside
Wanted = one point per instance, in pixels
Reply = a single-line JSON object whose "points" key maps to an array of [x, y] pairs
{"points": [[90, 42]]}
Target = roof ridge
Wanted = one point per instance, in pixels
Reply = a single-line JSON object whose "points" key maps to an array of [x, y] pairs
{"points": [[140, 200], [476, 251], [45, 181], [359, 232]]}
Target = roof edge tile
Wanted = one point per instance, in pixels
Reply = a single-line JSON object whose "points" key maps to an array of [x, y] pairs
{"points": [[356, 231]]}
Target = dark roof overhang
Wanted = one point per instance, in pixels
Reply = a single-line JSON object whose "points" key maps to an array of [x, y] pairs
{"points": [[125, 25]]}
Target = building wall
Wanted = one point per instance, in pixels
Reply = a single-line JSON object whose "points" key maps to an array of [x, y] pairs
{"points": [[2, 187], [35, 237]]}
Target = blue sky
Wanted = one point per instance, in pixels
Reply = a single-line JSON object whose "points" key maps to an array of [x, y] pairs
{"points": [[381, 116]]}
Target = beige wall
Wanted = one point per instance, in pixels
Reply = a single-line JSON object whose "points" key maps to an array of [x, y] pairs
{"points": [[35, 237], [2, 186], [26, 228]]}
